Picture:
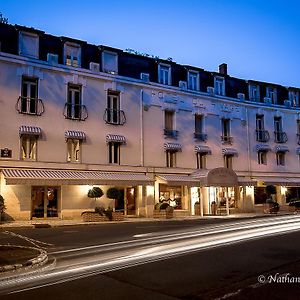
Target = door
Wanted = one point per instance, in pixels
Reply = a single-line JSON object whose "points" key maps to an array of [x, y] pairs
{"points": [[131, 199]]}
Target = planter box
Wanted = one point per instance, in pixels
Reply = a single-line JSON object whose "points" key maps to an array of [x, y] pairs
{"points": [[91, 216], [269, 208], [162, 214]]}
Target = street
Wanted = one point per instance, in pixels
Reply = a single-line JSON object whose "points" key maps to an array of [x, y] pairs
{"points": [[188, 259]]}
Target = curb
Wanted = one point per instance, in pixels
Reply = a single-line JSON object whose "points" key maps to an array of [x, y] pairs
{"points": [[39, 260]]}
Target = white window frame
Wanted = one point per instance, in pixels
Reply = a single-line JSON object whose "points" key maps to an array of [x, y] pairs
{"points": [[173, 117], [115, 71], [22, 36], [166, 79], [228, 161], [201, 160], [280, 158], [28, 147], [262, 157], [72, 47], [113, 104], [271, 93], [114, 148], [193, 84], [171, 158], [219, 86], [254, 94], [74, 149]]}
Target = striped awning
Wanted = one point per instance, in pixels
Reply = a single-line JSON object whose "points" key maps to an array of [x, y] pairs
{"points": [[178, 179], [73, 177], [173, 146], [30, 130], [202, 149], [73, 134], [281, 148], [262, 147], [116, 138], [229, 151]]}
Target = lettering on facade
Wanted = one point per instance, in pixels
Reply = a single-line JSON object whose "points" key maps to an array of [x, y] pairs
{"points": [[6, 153], [222, 177], [197, 103]]}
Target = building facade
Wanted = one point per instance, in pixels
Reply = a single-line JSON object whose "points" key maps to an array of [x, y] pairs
{"points": [[75, 115]]}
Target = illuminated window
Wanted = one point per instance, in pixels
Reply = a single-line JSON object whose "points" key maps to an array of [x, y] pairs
{"points": [[72, 54], [74, 150], [28, 147]]}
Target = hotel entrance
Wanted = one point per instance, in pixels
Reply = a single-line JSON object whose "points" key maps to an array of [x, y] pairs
{"points": [[44, 201]]}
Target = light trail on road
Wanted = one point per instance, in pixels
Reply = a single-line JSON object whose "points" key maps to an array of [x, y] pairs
{"points": [[82, 262]]}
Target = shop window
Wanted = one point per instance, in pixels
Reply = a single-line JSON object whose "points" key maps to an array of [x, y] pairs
{"points": [[114, 152], [28, 147], [292, 194], [260, 195], [171, 195], [74, 150]]}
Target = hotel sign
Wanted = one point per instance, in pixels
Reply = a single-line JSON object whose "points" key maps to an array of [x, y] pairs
{"points": [[222, 177], [6, 153]]}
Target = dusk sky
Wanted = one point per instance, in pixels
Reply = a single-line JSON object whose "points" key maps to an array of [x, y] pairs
{"points": [[258, 39]]}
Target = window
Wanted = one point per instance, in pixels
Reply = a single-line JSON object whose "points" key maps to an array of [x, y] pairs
{"points": [[298, 132], [294, 98], [262, 157], [219, 86], [173, 195], [193, 80], [109, 62], [226, 138], [114, 152], [171, 158], [272, 94], [262, 135], [201, 160], [72, 54], [29, 95], [28, 147], [113, 115], [164, 74], [169, 124], [74, 107], [74, 150], [228, 161], [277, 124], [254, 94], [29, 44], [199, 124], [280, 158]]}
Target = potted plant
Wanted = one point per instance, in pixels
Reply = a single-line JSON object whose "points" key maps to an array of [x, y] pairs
{"points": [[163, 211], [95, 193], [113, 193], [2, 207]]}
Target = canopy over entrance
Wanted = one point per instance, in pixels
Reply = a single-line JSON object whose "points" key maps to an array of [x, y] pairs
{"points": [[217, 177]]}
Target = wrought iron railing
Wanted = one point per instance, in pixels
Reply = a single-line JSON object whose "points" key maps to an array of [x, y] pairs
{"points": [[226, 139], [30, 106], [75, 112], [262, 136], [169, 133], [114, 116], [280, 137], [200, 136]]}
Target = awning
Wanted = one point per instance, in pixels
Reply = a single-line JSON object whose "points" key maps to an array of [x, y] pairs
{"points": [[272, 180], [73, 134], [178, 179], [116, 138], [70, 177], [281, 148], [30, 130], [173, 146], [229, 151], [262, 147], [202, 149]]}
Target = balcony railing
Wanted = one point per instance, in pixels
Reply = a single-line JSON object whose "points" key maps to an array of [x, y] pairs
{"points": [[169, 133], [114, 116], [30, 106], [226, 139], [75, 112], [262, 136], [200, 136], [280, 137]]}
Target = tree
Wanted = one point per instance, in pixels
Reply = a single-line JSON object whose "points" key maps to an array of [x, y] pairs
{"points": [[2, 19], [95, 193], [113, 193]]}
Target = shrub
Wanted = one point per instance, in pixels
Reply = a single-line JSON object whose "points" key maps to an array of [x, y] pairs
{"points": [[100, 210], [113, 193], [95, 192], [164, 205]]}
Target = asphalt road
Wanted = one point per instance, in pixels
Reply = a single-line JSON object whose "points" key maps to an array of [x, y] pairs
{"points": [[196, 259]]}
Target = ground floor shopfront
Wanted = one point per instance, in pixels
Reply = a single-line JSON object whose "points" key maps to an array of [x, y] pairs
{"points": [[36, 193]]}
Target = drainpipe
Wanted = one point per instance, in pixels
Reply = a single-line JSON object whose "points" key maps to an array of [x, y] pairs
{"points": [[142, 128]]}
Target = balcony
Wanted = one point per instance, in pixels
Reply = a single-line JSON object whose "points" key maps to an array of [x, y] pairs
{"points": [[202, 137], [262, 136], [280, 137], [75, 112], [169, 133], [226, 139], [30, 106], [114, 116]]}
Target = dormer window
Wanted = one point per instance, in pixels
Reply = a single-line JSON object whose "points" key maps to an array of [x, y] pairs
{"points": [[193, 80], [254, 94], [219, 86], [164, 74], [272, 94], [110, 62], [72, 54], [294, 98], [29, 44]]}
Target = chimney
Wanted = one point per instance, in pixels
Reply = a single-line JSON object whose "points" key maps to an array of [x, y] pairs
{"points": [[223, 69]]}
